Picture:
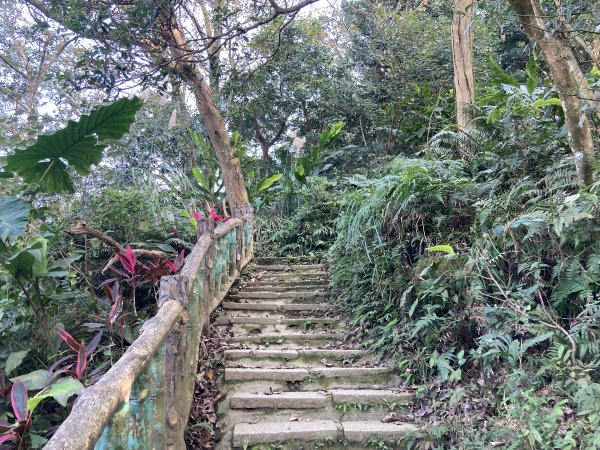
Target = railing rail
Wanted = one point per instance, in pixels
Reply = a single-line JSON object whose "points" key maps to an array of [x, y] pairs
{"points": [[144, 400]]}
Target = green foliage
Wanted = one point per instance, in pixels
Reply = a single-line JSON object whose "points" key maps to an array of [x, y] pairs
{"points": [[14, 216], [301, 224], [514, 297], [80, 144]]}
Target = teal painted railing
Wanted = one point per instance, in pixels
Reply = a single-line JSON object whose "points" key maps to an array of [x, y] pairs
{"points": [[143, 401]]}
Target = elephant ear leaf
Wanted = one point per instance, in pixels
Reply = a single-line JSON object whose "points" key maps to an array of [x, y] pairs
{"points": [[14, 215], [50, 160]]}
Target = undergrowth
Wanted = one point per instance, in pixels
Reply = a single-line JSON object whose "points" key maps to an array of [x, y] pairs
{"points": [[479, 274]]}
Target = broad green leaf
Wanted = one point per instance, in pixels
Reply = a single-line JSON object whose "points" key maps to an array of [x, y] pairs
{"points": [[80, 145], [266, 183], [548, 102], [37, 441], [532, 75], [34, 380], [61, 390], [201, 179], [501, 74], [307, 164], [14, 360], [441, 248], [14, 216]]}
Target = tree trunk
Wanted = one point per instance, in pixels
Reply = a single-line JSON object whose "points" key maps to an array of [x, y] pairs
{"points": [[462, 55], [184, 64], [569, 80]]}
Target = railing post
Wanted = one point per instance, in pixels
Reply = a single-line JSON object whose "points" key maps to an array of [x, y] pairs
{"points": [[238, 213]]}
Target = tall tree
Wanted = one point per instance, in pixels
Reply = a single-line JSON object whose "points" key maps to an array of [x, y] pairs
{"points": [[462, 55], [174, 37], [573, 89]]}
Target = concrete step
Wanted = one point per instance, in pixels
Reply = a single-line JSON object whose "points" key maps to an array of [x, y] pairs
{"points": [[286, 285], [274, 307], [246, 434], [278, 288], [288, 267], [305, 322], [319, 432], [295, 358], [250, 326], [290, 340], [312, 379], [358, 398], [277, 295]]}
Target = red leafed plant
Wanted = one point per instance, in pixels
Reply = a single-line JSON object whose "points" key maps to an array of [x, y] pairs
{"points": [[136, 273], [76, 363], [16, 431]]}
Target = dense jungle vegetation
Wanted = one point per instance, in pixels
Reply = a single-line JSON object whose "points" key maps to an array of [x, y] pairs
{"points": [[460, 221]]}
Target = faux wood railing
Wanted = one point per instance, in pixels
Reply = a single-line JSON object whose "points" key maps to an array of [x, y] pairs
{"points": [[144, 400]]}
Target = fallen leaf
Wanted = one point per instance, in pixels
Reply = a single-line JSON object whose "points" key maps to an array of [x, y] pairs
{"points": [[294, 418]]}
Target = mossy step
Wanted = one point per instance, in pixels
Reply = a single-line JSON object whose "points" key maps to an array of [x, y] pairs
{"points": [[295, 307], [303, 374], [319, 399], [245, 434], [275, 295], [314, 339], [285, 285], [287, 267], [285, 288], [323, 431], [304, 321], [294, 357]]}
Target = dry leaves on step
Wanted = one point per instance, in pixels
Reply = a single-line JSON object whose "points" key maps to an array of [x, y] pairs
{"points": [[391, 417]]}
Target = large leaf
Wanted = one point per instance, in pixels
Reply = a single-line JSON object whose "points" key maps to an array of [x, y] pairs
{"points": [[14, 360], [14, 215], [60, 391], [266, 183], [34, 380], [78, 146]]}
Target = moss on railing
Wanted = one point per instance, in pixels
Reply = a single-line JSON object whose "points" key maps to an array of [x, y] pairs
{"points": [[144, 400]]}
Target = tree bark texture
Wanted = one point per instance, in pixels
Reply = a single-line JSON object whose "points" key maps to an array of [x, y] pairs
{"points": [[183, 63], [462, 55], [570, 82]]}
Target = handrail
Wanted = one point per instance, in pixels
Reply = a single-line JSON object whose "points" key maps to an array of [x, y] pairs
{"points": [[144, 400]]}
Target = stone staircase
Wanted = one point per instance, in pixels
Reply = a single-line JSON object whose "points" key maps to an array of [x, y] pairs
{"points": [[290, 380]]}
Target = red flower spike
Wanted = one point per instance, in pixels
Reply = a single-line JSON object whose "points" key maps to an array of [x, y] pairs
{"points": [[196, 215], [68, 339], [18, 400]]}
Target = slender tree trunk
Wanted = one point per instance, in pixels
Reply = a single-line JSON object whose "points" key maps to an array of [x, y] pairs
{"points": [[569, 80], [462, 55], [184, 64]]}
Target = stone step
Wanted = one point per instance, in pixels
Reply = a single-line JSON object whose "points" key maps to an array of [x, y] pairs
{"points": [[276, 308], [250, 326], [291, 340], [304, 321], [277, 295], [359, 398], [281, 259], [285, 285], [295, 357], [312, 379], [319, 431], [246, 434], [288, 267], [285, 288]]}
